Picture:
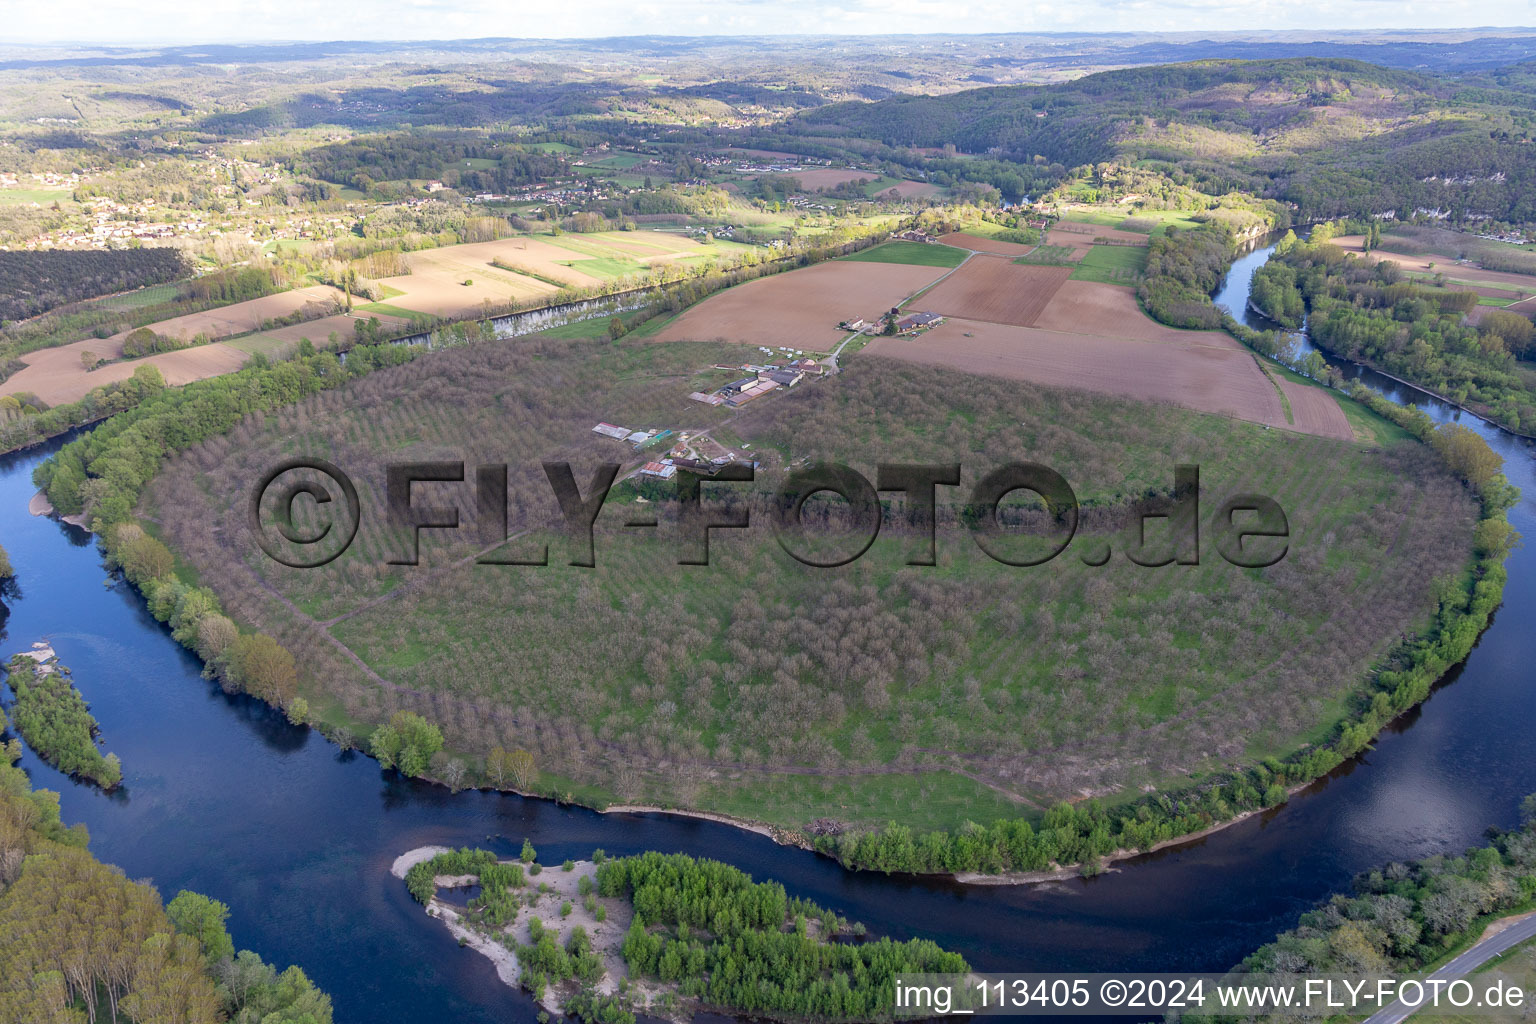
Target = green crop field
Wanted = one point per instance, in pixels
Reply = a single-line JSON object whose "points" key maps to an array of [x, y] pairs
{"points": [[1112, 264], [621, 161], [42, 196], [966, 690], [1049, 256], [605, 266], [1157, 222], [922, 254], [141, 297], [1104, 218]]}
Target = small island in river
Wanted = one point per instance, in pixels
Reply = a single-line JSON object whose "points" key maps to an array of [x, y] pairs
{"points": [[663, 934], [52, 716]]}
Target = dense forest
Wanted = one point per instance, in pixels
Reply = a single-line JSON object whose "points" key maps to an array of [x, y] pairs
{"points": [[1183, 269], [469, 163], [80, 942], [33, 282], [1373, 313], [53, 718], [1405, 916], [1332, 136], [745, 946]]}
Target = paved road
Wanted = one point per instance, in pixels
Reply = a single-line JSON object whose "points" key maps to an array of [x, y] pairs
{"points": [[1465, 964]]}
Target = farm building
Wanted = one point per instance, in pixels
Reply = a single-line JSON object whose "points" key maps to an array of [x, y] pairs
{"points": [[758, 389], [699, 396], [785, 378], [918, 321], [737, 386], [609, 430], [807, 366], [658, 469]]}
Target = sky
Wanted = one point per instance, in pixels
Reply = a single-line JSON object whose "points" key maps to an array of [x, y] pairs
{"points": [[211, 21]]}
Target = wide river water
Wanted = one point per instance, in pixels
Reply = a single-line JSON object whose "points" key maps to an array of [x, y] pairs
{"points": [[223, 796]]}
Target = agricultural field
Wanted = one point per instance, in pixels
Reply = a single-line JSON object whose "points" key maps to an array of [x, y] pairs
{"points": [[996, 290], [140, 297], [1047, 325], [1081, 237], [1015, 697], [58, 374], [1212, 378], [38, 196], [917, 254], [979, 243], [1112, 264], [1156, 222], [1051, 256], [282, 341], [1458, 275], [1089, 307], [461, 280], [887, 188], [801, 308], [817, 178]]}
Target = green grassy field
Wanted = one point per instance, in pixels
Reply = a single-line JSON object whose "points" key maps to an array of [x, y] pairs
{"points": [[1048, 255], [141, 297], [922, 254], [42, 196], [1112, 264], [966, 690], [1105, 218], [1157, 222], [606, 267], [386, 309], [620, 161]]}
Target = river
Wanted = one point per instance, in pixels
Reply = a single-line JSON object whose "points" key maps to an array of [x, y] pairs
{"points": [[224, 796]]}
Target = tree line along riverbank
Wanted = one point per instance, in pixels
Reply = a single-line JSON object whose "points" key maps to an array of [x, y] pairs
{"points": [[108, 468]]}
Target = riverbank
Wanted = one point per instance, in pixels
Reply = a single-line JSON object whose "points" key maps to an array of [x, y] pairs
{"points": [[1070, 871], [1482, 415], [784, 837], [41, 506]]}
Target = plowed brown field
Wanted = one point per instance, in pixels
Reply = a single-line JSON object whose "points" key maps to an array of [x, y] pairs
{"points": [[56, 375], [1088, 307], [1072, 233], [997, 290], [1316, 411], [801, 308], [1442, 265], [965, 241], [1202, 377]]}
